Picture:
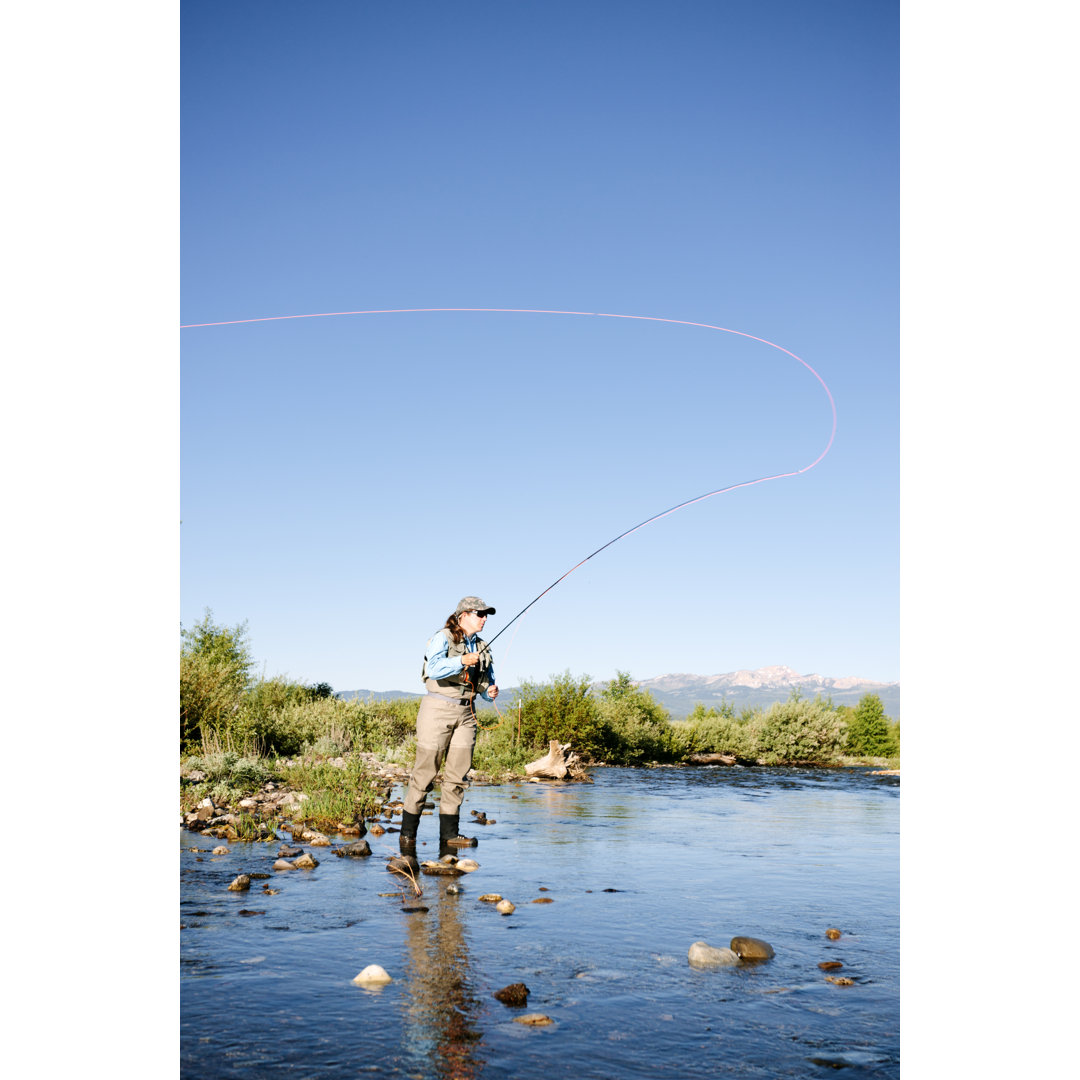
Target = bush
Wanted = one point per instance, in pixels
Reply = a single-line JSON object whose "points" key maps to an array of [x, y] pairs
{"points": [[636, 728], [215, 666], [563, 709], [717, 731], [797, 731]]}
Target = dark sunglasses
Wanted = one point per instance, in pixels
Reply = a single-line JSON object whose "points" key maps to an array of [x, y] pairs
{"points": [[479, 614]]}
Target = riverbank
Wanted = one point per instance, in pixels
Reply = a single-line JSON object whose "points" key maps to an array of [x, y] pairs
{"points": [[244, 798]]}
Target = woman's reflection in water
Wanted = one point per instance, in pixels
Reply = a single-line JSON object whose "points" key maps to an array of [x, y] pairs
{"points": [[441, 1012]]}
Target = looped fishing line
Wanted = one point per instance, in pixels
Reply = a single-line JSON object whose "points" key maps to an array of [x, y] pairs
{"points": [[596, 315]]}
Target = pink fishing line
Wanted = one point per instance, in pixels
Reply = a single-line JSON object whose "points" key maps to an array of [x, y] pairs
{"points": [[598, 315]]}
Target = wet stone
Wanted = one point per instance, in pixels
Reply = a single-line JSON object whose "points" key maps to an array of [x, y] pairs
{"points": [[515, 995], [702, 954], [358, 850], [749, 948], [241, 883]]}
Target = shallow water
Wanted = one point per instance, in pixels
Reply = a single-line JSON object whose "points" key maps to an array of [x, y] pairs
{"points": [[638, 866]]}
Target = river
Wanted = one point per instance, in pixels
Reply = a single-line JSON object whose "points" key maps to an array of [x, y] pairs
{"points": [[637, 865]]}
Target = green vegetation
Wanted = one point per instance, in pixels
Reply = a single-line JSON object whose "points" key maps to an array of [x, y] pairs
{"points": [[237, 730]]}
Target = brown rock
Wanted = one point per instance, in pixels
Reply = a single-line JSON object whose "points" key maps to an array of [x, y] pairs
{"points": [[240, 884], [305, 862], [516, 994], [830, 965], [832, 933], [749, 948]]}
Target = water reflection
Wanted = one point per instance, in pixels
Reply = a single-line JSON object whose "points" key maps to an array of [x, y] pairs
{"points": [[440, 1011]]}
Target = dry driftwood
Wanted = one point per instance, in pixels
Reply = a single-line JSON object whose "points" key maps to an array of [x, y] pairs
{"points": [[559, 763]]}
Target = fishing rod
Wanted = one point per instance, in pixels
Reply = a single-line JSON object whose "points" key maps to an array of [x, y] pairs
{"points": [[597, 315]]}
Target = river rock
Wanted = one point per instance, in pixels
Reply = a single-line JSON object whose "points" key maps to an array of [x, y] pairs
{"points": [[403, 864], [534, 1020], [287, 852], [702, 954], [283, 864], [305, 862], [240, 884], [750, 948], [832, 933], [220, 850], [358, 850], [440, 869], [839, 980], [490, 897], [373, 975], [467, 866], [830, 965], [376, 829], [504, 907], [516, 994]]}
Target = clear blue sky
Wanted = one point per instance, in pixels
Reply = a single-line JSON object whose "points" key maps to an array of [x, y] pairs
{"points": [[344, 481]]}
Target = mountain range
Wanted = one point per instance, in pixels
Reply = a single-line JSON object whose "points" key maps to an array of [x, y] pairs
{"points": [[742, 689]]}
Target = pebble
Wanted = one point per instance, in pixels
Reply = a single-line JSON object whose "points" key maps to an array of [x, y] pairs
{"points": [[750, 948], [240, 884], [832, 933], [373, 975], [705, 955], [543, 900]]}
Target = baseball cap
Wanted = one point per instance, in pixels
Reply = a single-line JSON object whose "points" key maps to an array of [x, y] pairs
{"points": [[473, 603]]}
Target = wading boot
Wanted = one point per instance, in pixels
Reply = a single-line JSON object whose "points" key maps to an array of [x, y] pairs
{"points": [[449, 837], [407, 841]]}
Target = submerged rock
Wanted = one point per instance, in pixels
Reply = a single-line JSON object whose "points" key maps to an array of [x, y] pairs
{"points": [[534, 1020], [832, 933], [702, 954], [830, 965], [516, 995], [750, 948]]}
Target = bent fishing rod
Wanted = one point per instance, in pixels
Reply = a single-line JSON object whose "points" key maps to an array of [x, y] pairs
{"points": [[598, 315]]}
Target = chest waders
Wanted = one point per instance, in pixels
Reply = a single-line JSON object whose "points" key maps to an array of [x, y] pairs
{"points": [[445, 736]]}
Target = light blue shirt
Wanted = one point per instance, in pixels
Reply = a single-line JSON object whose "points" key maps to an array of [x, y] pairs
{"points": [[442, 666]]}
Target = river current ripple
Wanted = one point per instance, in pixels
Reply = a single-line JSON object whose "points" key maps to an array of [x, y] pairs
{"points": [[637, 866]]}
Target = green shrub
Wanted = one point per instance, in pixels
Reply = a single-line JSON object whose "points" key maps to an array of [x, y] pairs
{"points": [[636, 728], [563, 709], [800, 731], [215, 665], [718, 731]]}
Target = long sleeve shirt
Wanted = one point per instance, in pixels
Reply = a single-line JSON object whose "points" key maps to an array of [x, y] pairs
{"points": [[442, 666]]}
